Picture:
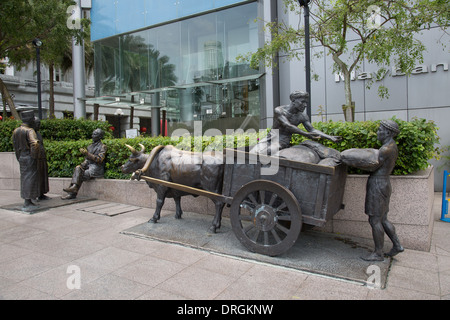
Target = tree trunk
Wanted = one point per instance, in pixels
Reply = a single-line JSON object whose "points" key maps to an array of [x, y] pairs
{"points": [[51, 102], [349, 107], [348, 89], [7, 97]]}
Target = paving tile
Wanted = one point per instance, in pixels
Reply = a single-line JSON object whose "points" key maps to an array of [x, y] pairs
{"points": [[41, 220], [320, 288], [108, 287], [55, 281], [443, 263], [196, 283], [158, 294], [396, 293], [224, 265], [4, 283], [414, 279], [150, 270], [18, 232], [6, 224], [138, 245], [263, 282], [417, 260], [80, 229], [179, 254], [10, 252], [444, 281], [21, 292], [109, 258], [60, 246], [28, 266]]}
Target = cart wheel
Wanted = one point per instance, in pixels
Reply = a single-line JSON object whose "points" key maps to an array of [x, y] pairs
{"points": [[266, 217]]}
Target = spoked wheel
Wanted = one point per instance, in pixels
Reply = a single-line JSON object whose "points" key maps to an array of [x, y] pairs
{"points": [[266, 217]]}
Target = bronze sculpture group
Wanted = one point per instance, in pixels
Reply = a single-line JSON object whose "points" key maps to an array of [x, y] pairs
{"points": [[30, 153]]}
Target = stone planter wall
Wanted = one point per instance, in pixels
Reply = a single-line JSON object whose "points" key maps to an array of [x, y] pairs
{"points": [[410, 207]]}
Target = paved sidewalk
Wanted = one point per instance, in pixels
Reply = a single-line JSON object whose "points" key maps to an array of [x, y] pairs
{"points": [[41, 255]]}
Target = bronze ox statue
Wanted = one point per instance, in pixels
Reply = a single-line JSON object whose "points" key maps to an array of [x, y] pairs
{"points": [[191, 169]]}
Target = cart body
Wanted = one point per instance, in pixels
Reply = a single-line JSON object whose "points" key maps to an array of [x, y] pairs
{"points": [[318, 189]]}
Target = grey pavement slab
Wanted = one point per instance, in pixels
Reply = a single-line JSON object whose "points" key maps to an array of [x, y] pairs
{"points": [[44, 205], [316, 252]]}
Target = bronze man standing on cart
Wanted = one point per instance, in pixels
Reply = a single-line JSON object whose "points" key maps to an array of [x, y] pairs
{"points": [[92, 166]]}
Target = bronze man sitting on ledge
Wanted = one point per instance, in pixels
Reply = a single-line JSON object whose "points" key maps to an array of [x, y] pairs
{"points": [[92, 166]]}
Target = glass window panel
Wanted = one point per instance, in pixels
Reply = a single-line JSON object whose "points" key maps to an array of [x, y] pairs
{"points": [[190, 69], [129, 17], [107, 66], [188, 7]]}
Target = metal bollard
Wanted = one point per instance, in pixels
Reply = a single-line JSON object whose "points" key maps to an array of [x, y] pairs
{"points": [[444, 210]]}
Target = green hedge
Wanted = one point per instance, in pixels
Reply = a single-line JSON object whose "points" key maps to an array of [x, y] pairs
{"points": [[70, 129], [417, 143], [6, 130], [55, 130]]}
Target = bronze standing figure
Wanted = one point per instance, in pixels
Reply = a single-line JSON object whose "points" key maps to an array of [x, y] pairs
{"points": [[378, 190], [26, 146], [92, 166]]}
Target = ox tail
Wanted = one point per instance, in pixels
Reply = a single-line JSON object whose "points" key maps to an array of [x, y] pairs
{"points": [[152, 156]]}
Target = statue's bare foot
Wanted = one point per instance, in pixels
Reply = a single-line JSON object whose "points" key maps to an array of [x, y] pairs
{"points": [[373, 257], [394, 251]]}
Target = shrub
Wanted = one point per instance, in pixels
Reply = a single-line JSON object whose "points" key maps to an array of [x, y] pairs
{"points": [[55, 129], [70, 129], [6, 130], [417, 141]]}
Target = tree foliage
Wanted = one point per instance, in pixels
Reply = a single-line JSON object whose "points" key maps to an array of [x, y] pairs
{"points": [[384, 29], [22, 21]]}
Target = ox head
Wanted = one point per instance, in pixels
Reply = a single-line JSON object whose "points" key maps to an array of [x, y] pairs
{"points": [[136, 161]]}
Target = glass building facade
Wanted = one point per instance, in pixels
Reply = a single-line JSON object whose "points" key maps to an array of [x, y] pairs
{"points": [[187, 68]]}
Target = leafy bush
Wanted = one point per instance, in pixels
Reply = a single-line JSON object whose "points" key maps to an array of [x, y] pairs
{"points": [[64, 156], [6, 130], [417, 141], [55, 129], [70, 129]]}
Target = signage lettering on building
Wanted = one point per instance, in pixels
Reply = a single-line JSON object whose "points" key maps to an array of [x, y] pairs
{"points": [[394, 72]]}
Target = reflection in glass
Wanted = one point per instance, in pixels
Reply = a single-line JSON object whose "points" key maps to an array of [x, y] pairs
{"points": [[190, 68]]}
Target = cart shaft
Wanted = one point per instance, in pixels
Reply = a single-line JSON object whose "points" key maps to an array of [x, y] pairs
{"points": [[191, 190]]}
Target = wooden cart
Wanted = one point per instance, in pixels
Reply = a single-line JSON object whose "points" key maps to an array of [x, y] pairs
{"points": [[267, 211]]}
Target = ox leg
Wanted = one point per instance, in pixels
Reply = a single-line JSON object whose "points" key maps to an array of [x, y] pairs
{"points": [[178, 212], [218, 216], [159, 205]]}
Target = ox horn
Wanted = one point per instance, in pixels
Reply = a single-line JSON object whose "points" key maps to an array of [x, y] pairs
{"points": [[133, 150], [152, 156], [142, 148]]}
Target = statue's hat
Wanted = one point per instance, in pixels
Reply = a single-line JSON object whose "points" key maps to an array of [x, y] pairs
{"points": [[27, 116]]}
